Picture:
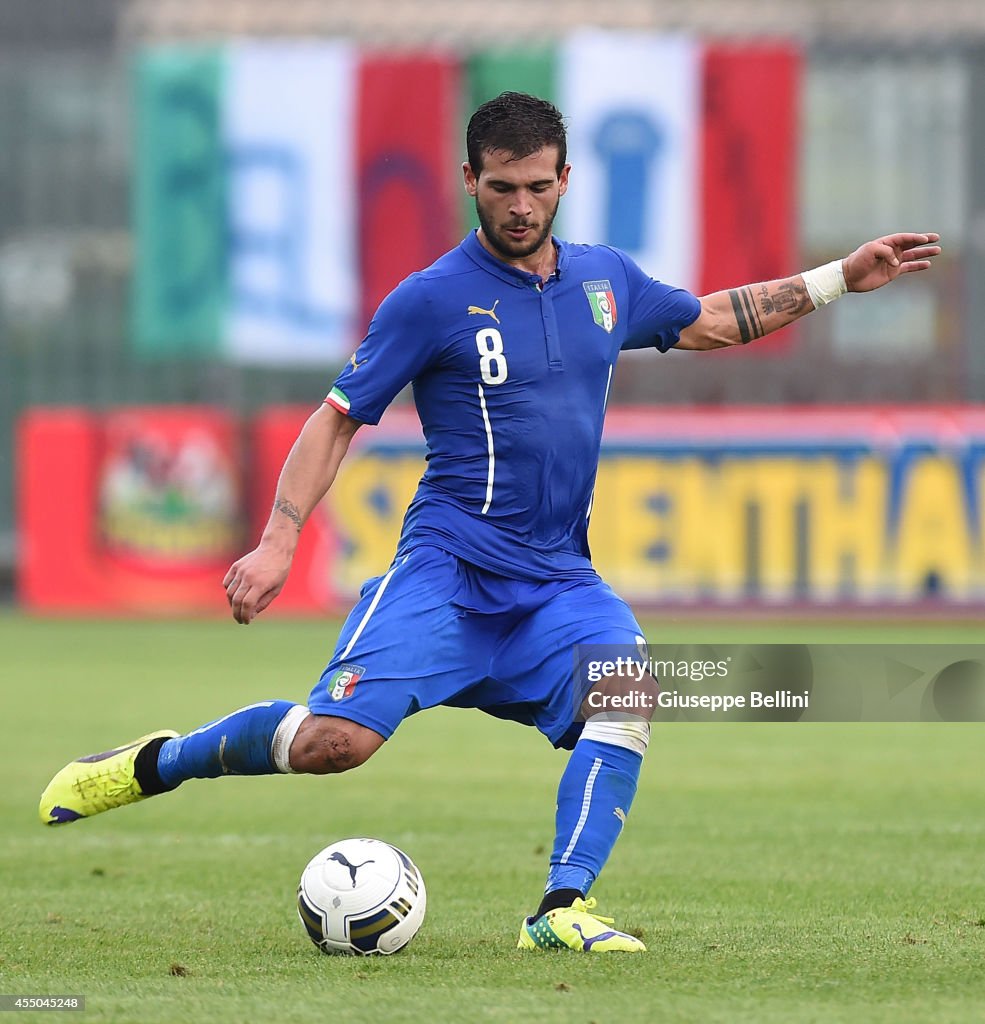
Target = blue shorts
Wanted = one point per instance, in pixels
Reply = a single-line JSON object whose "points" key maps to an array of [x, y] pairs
{"points": [[437, 630]]}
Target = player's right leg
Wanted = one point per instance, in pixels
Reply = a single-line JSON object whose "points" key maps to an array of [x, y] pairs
{"points": [[401, 644], [255, 740]]}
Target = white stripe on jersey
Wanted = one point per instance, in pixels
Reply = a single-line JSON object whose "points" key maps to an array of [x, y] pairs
{"points": [[605, 402], [492, 452]]}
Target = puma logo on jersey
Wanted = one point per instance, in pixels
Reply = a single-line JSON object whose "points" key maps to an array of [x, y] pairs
{"points": [[352, 360], [473, 310]]}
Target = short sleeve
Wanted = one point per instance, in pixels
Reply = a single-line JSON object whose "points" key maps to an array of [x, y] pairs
{"points": [[399, 345], [658, 312]]}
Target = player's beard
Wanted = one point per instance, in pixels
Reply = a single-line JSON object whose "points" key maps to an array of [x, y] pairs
{"points": [[503, 244]]}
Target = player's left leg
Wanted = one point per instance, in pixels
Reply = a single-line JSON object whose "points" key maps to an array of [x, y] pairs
{"points": [[594, 798], [599, 782]]}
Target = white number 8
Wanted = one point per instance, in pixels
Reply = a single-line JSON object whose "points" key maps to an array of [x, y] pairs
{"points": [[492, 362]]}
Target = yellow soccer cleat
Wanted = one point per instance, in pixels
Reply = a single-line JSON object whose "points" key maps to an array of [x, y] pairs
{"points": [[576, 927], [97, 783]]}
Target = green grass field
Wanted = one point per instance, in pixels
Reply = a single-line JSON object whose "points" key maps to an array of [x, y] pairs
{"points": [[777, 872]]}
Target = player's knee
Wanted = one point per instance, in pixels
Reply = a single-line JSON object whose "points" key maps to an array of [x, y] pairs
{"points": [[326, 745]]}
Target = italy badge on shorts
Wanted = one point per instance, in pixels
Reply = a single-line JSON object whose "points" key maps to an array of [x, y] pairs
{"points": [[603, 303], [343, 681]]}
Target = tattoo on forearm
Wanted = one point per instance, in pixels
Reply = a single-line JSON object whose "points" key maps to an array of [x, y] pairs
{"points": [[788, 298], [289, 509], [746, 315]]}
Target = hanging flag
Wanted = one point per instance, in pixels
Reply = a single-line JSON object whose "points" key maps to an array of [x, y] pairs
{"points": [[488, 73], [281, 189], [288, 130], [749, 173], [633, 105], [244, 217], [406, 157], [179, 203]]}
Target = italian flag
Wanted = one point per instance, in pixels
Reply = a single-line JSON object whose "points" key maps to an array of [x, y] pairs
{"points": [[282, 189]]}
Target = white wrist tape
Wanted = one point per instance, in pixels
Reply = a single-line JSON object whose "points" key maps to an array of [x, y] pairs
{"points": [[825, 284]]}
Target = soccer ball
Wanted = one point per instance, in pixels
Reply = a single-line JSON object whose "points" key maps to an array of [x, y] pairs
{"points": [[361, 897]]}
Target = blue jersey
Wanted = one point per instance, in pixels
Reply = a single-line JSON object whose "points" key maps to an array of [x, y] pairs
{"points": [[511, 377]]}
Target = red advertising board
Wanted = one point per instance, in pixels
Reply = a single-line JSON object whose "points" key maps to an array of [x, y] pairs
{"points": [[138, 510]]}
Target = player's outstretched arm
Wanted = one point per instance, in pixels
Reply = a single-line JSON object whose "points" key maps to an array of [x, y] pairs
{"points": [[740, 315], [254, 580]]}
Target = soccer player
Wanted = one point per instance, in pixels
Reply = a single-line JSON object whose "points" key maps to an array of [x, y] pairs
{"points": [[510, 341]]}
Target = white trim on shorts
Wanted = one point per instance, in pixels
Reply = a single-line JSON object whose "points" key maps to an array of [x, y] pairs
{"points": [[369, 611]]}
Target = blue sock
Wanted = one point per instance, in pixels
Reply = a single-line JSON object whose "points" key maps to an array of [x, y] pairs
{"points": [[596, 790], [239, 744]]}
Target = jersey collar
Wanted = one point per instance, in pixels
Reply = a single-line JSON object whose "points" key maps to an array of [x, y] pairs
{"points": [[481, 256]]}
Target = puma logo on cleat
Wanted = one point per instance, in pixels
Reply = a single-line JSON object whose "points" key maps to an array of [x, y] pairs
{"points": [[59, 815], [341, 858], [473, 310], [586, 944]]}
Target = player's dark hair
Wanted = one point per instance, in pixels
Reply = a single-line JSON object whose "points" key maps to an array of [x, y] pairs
{"points": [[518, 124]]}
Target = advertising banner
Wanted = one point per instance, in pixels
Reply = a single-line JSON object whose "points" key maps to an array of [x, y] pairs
{"points": [[739, 509], [134, 511]]}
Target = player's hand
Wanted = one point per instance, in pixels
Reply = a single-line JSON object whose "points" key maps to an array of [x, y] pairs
{"points": [[255, 580], [883, 260]]}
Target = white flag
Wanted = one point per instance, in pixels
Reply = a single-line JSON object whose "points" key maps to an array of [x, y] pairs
{"points": [[633, 105], [288, 115]]}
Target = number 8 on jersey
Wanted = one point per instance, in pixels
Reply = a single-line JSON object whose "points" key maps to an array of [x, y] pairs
{"points": [[492, 361]]}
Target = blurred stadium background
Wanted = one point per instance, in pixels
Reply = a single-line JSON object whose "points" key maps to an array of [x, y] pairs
{"points": [[201, 202]]}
